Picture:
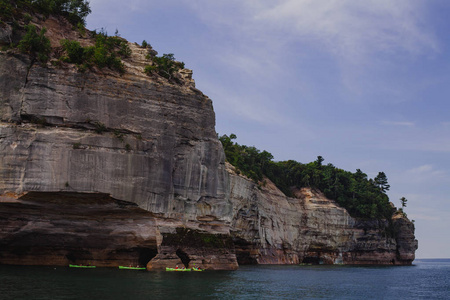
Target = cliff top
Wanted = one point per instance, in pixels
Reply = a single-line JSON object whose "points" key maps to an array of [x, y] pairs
{"points": [[52, 38]]}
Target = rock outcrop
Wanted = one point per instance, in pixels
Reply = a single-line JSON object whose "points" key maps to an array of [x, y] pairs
{"points": [[44, 228], [270, 228], [108, 168]]}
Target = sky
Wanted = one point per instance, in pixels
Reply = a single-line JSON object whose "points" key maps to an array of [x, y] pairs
{"points": [[365, 84]]}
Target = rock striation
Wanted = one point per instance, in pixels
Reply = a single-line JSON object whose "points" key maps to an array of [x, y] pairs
{"points": [[108, 168], [270, 228]]}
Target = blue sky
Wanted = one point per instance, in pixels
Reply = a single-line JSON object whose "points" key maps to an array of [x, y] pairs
{"points": [[365, 84]]}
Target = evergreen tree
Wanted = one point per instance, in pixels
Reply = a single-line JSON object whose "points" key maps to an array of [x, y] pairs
{"points": [[403, 201], [362, 197], [381, 182]]}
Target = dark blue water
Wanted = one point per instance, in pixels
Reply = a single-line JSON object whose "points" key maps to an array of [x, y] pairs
{"points": [[427, 279]]}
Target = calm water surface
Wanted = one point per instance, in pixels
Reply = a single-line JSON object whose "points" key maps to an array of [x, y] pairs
{"points": [[427, 279]]}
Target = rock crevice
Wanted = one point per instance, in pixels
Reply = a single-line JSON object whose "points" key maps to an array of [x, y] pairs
{"points": [[76, 148]]}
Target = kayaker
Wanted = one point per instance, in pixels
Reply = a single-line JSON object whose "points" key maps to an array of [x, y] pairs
{"points": [[176, 268]]}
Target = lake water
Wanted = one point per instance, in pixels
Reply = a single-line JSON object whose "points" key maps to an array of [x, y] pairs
{"points": [[426, 279]]}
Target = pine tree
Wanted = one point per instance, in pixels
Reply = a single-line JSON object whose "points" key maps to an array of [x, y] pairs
{"points": [[381, 182], [403, 200]]}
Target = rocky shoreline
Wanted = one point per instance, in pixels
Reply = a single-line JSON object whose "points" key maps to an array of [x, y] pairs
{"points": [[112, 169]]}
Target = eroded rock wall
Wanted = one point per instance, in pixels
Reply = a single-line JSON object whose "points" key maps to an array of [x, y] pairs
{"points": [[149, 142], [270, 228], [84, 136], [134, 137], [42, 228]]}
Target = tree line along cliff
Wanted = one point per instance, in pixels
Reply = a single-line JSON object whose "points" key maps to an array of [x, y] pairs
{"points": [[109, 155], [17, 18], [361, 196]]}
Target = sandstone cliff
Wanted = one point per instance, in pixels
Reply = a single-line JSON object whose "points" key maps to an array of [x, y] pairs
{"points": [[108, 168], [270, 228]]}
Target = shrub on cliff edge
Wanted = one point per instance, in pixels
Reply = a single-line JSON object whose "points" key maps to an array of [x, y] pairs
{"points": [[106, 52], [75, 11], [360, 196], [165, 66], [37, 45]]}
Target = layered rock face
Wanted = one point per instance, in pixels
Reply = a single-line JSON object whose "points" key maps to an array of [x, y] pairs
{"points": [[133, 137], [157, 146], [75, 228], [98, 167], [270, 228]]}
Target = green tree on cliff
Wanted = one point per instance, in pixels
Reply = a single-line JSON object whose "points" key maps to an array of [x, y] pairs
{"points": [[362, 197], [75, 11], [165, 65], [381, 182], [35, 44], [403, 201]]}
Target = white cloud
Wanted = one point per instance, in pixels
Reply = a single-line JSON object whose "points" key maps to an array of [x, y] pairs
{"points": [[365, 40], [348, 28], [425, 174]]}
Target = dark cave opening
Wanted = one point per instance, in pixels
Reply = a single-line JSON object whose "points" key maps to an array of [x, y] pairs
{"points": [[314, 260], [184, 257], [245, 258], [145, 255]]}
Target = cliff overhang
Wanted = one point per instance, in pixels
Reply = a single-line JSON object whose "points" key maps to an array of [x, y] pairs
{"points": [[110, 168]]}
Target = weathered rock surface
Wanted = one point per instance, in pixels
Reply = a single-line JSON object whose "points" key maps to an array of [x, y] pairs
{"points": [[73, 228], [270, 228], [193, 248], [103, 168], [163, 134], [136, 138]]}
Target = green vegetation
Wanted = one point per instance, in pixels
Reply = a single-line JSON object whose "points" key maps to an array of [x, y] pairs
{"points": [[100, 127], [119, 135], [107, 52], [36, 45], [13, 9], [249, 160], [403, 201], [18, 14], [75, 11], [165, 66], [75, 53], [361, 196]]}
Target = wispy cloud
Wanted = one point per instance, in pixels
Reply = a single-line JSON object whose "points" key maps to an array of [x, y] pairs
{"points": [[249, 107], [425, 174], [364, 39], [397, 123], [348, 28]]}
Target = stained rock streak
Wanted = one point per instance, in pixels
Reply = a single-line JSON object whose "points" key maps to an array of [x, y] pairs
{"points": [[117, 169]]}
